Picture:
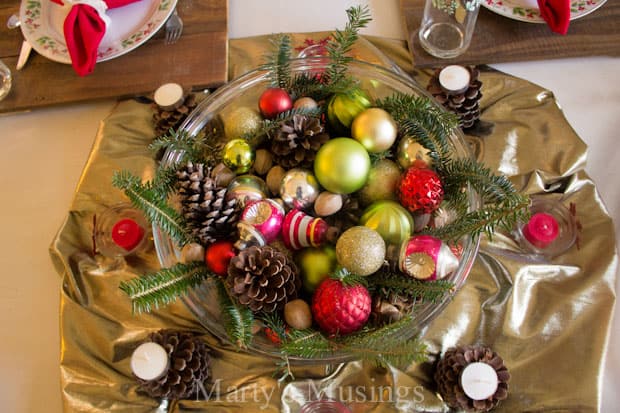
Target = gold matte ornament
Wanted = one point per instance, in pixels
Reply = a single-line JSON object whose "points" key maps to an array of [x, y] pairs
{"points": [[375, 129], [410, 152]]}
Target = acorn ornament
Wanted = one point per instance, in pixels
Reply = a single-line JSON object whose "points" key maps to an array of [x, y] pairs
{"points": [[420, 190], [340, 309]]}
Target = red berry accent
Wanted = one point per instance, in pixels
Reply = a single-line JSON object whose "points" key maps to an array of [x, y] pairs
{"points": [[340, 309], [420, 190], [218, 255], [274, 101], [127, 234], [272, 336]]}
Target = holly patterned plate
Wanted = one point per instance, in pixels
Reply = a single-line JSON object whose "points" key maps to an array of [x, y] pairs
{"points": [[130, 26], [528, 11]]}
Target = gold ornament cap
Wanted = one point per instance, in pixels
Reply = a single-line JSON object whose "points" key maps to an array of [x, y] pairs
{"points": [[419, 265]]}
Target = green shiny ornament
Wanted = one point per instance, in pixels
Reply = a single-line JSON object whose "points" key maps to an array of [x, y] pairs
{"points": [[241, 121], [375, 129], [315, 265], [361, 250], [382, 182], [410, 153], [390, 219], [344, 107], [342, 165], [238, 155]]}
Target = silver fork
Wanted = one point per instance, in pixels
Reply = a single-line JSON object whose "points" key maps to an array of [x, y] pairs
{"points": [[174, 28]]}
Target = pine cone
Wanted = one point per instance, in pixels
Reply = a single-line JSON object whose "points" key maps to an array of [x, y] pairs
{"points": [[189, 365], [388, 308], [263, 278], [297, 142], [466, 105], [164, 120], [204, 205], [448, 374]]}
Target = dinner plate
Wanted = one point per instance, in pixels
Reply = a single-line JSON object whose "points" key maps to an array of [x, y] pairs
{"points": [[130, 26], [528, 11]]}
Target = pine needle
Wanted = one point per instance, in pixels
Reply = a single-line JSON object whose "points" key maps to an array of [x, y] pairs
{"points": [[237, 319], [278, 61], [163, 287], [386, 282]]}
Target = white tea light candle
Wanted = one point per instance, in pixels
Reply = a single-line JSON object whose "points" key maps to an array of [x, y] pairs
{"points": [[479, 381], [454, 79], [149, 361], [169, 96]]}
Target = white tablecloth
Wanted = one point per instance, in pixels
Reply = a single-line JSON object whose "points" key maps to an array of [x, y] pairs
{"points": [[43, 153]]}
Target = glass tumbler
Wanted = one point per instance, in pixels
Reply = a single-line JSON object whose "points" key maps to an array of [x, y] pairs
{"points": [[447, 26], [5, 80]]}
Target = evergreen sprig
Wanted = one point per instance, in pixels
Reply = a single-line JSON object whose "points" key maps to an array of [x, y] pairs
{"points": [[163, 287], [191, 147], [148, 198], [386, 282], [347, 278], [342, 41], [237, 319], [278, 61]]}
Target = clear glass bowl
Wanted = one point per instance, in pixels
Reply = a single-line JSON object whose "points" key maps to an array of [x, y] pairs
{"points": [[378, 83]]}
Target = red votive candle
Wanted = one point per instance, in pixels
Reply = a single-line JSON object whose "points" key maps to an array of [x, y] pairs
{"points": [[541, 230], [127, 234]]}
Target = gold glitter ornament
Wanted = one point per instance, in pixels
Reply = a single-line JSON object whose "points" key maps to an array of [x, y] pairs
{"points": [[241, 121], [375, 129], [238, 155], [360, 250], [410, 153]]}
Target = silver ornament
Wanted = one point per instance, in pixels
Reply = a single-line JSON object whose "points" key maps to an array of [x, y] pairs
{"points": [[299, 188]]}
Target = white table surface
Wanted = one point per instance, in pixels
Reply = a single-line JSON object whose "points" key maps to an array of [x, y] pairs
{"points": [[43, 153]]}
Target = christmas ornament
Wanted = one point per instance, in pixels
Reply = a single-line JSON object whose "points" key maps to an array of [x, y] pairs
{"points": [[217, 256], [241, 121], [300, 230], [274, 101], [305, 103], [297, 314], [192, 252], [393, 222], [274, 179], [342, 165], [299, 188], [315, 264], [340, 309], [297, 142], [207, 209], [262, 278], [188, 366], [248, 236], [410, 153], [343, 108], [420, 190], [266, 216], [460, 369], [382, 183], [263, 162], [360, 250], [172, 118], [238, 155], [327, 203], [426, 258], [375, 129], [465, 103], [245, 188]]}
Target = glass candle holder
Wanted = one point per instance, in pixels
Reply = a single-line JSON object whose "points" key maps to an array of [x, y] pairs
{"points": [[447, 26], [5, 80], [121, 230]]}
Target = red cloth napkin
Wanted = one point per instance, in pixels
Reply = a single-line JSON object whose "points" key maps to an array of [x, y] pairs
{"points": [[556, 13], [84, 28]]}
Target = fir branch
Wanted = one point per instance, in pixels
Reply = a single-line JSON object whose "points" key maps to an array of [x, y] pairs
{"points": [[347, 278], [163, 287], [148, 199], [278, 63], [237, 319], [164, 182], [179, 140], [342, 41], [309, 84], [385, 282]]}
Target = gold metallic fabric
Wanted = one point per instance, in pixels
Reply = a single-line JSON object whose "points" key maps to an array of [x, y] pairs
{"points": [[548, 319]]}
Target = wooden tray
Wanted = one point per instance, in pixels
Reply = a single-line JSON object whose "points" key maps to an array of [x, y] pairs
{"points": [[198, 60], [500, 39]]}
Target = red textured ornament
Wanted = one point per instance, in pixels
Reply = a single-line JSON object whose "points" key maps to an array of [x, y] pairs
{"points": [[218, 255], [420, 190], [340, 309], [274, 101]]}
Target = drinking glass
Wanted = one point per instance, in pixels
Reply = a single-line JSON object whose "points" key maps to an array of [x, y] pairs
{"points": [[5, 80]]}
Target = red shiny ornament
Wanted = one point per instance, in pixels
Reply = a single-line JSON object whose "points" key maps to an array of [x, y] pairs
{"points": [[127, 234], [340, 309], [218, 255], [274, 101], [420, 190]]}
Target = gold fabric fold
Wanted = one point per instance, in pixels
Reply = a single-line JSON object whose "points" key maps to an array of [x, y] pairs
{"points": [[548, 319]]}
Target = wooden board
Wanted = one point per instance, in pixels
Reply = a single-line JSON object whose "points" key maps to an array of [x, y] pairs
{"points": [[198, 60], [500, 39]]}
